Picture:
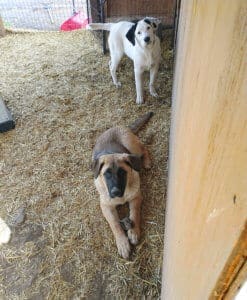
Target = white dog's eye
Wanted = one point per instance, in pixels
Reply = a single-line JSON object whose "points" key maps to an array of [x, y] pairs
{"points": [[139, 32], [148, 27]]}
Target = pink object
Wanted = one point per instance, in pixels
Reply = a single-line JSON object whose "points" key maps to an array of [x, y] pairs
{"points": [[77, 21]]}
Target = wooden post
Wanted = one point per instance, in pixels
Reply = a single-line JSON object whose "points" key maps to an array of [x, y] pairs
{"points": [[2, 29], [207, 191]]}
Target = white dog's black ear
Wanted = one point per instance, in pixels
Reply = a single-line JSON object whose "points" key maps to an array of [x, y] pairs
{"points": [[131, 34], [154, 22]]}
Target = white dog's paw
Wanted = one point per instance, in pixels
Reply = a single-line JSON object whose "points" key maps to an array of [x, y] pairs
{"points": [[139, 100], [153, 91], [134, 235], [118, 84], [123, 246]]}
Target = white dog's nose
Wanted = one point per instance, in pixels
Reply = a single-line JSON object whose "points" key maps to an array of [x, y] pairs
{"points": [[147, 39]]}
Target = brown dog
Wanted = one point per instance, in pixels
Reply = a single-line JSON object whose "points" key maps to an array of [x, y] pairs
{"points": [[117, 159]]}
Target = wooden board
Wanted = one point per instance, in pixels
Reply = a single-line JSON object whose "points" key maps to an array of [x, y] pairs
{"points": [[207, 193]]}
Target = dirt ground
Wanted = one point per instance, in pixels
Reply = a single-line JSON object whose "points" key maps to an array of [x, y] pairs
{"points": [[59, 90]]}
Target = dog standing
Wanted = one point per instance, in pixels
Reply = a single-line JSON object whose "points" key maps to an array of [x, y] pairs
{"points": [[140, 43], [116, 162]]}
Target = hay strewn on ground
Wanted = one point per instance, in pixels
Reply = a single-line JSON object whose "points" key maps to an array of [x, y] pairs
{"points": [[60, 92]]}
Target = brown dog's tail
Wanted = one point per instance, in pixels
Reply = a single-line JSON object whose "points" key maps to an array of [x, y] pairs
{"points": [[140, 122]]}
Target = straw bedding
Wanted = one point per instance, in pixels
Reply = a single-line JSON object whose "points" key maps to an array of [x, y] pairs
{"points": [[60, 92]]}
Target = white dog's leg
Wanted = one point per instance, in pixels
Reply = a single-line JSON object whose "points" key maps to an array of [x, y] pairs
{"points": [[139, 86], [153, 74], [113, 64]]}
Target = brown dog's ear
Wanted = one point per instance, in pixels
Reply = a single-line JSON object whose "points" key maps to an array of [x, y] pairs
{"points": [[96, 167], [135, 162], [131, 34]]}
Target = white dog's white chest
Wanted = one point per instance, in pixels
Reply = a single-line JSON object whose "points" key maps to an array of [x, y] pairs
{"points": [[145, 60], [149, 61]]}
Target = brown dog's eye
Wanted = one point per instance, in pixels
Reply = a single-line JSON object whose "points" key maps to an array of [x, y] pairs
{"points": [[148, 27], [108, 173]]}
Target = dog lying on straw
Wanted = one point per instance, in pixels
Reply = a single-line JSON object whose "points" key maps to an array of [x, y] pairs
{"points": [[116, 162]]}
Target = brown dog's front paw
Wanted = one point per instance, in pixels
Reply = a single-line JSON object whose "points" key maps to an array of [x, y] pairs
{"points": [[147, 164], [123, 247], [134, 236], [146, 161], [126, 223]]}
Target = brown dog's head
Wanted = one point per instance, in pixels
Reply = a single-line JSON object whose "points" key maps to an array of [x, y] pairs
{"points": [[114, 169]]}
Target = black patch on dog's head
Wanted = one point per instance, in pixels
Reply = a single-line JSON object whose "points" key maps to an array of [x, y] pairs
{"points": [[154, 25], [131, 34], [151, 23], [147, 21]]}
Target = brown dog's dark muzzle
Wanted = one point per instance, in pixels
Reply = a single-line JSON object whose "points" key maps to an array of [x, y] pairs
{"points": [[116, 181]]}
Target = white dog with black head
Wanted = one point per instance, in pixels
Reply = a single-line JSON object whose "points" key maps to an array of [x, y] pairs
{"points": [[140, 43]]}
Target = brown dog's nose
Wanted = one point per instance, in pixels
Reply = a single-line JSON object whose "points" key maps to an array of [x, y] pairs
{"points": [[147, 39], [115, 192]]}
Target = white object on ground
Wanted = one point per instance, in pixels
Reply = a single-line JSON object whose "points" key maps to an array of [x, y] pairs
{"points": [[5, 232]]}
